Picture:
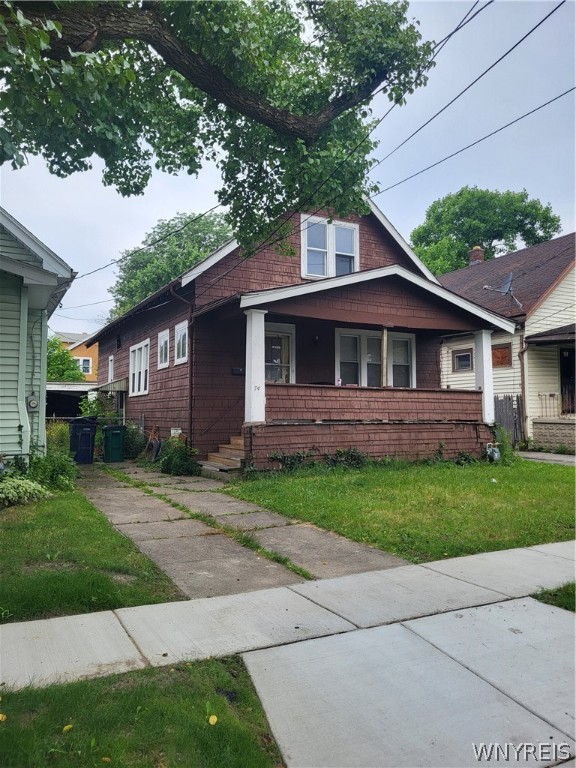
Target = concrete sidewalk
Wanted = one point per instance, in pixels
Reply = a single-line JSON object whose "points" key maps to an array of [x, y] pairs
{"points": [[409, 666]]}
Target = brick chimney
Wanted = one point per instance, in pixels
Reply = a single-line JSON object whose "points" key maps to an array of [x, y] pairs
{"points": [[476, 255]]}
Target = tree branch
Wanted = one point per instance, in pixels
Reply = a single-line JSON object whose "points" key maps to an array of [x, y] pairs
{"points": [[86, 27]]}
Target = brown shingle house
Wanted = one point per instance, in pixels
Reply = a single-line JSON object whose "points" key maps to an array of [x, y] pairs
{"points": [[336, 346], [535, 287]]}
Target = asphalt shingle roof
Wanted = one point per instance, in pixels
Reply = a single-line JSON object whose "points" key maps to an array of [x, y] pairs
{"points": [[534, 270]]}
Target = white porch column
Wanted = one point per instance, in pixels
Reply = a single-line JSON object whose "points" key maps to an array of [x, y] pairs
{"points": [[483, 373], [255, 392]]}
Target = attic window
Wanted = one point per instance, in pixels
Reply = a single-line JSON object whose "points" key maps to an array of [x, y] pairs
{"points": [[329, 248]]}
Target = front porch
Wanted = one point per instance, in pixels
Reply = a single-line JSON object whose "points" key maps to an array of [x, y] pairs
{"points": [[380, 422]]}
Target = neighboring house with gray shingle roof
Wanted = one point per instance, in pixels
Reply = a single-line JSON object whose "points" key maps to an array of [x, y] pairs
{"points": [[535, 287]]}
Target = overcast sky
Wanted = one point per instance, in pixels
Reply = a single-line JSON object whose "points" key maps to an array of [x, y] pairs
{"points": [[88, 224]]}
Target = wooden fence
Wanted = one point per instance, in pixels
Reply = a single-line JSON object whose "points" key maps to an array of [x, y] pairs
{"points": [[508, 413]]}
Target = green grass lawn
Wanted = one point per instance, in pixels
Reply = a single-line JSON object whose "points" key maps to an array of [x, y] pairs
{"points": [[62, 556], [155, 718], [563, 597], [427, 512]]}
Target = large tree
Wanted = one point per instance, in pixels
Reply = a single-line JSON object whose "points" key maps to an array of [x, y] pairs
{"points": [[171, 247], [497, 221], [276, 92], [61, 364]]}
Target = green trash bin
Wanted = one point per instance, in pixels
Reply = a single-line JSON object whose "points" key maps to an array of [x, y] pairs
{"points": [[114, 437]]}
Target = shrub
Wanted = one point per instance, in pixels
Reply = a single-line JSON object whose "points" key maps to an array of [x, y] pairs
{"points": [[178, 459], [346, 457], [290, 461], [55, 470], [20, 490], [135, 441]]}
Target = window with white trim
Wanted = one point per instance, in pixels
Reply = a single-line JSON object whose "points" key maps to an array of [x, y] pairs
{"points": [[181, 343], [279, 352], [329, 248], [85, 364], [111, 368], [401, 360], [359, 357], [164, 349], [139, 368]]}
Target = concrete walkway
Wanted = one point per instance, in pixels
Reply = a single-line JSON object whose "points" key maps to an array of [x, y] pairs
{"points": [[422, 666], [205, 562], [549, 458]]}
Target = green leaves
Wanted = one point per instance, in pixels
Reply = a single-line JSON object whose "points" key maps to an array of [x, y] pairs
{"points": [[492, 219], [298, 74], [61, 365], [182, 244]]}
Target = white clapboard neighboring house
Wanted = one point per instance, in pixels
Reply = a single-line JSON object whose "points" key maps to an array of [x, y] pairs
{"points": [[534, 367], [33, 280]]}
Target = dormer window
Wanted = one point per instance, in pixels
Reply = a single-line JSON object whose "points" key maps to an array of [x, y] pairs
{"points": [[329, 248]]}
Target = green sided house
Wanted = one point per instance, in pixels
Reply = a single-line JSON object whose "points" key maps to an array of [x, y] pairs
{"points": [[33, 281]]}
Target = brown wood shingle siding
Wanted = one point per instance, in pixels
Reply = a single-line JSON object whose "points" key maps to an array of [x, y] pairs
{"points": [[268, 268], [402, 441], [385, 302], [166, 403], [291, 402]]}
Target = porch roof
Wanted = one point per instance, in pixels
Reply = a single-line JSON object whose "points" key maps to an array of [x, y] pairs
{"points": [[554, 335], [257, 298]]}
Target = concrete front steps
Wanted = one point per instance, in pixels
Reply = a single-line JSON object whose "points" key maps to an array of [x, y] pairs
{"points": [[228, 458]]}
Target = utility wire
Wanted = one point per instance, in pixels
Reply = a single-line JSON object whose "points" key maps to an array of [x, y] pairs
{"points": [[149, 245], [465, 20], [470, 85], [269, 241], [473, 144]]}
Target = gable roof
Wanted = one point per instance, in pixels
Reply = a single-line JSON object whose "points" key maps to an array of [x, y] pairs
{"points": [[255, 298], [231, 245], [71, 338], [49, 278], [535, 271]]}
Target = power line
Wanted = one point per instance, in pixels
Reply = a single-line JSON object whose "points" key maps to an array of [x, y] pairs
{"points": [[470, 85], [473, 144], [93, 303], [269, 241], [149, 245]]}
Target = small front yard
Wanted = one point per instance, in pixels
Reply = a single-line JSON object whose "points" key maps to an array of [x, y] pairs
{"points": [[427, 512], [198, 714], [61, 557]]}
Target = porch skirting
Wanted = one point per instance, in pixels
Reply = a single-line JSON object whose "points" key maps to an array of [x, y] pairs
{"points": [[395, 439]]}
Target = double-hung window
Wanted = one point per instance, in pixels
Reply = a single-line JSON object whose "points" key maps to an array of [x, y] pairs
{"points": [[401, 360], [181, 343], [111, 368], [329, 248], [139, 368], [164, 349], [85, 365], [279, 356], [359, 357]]}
